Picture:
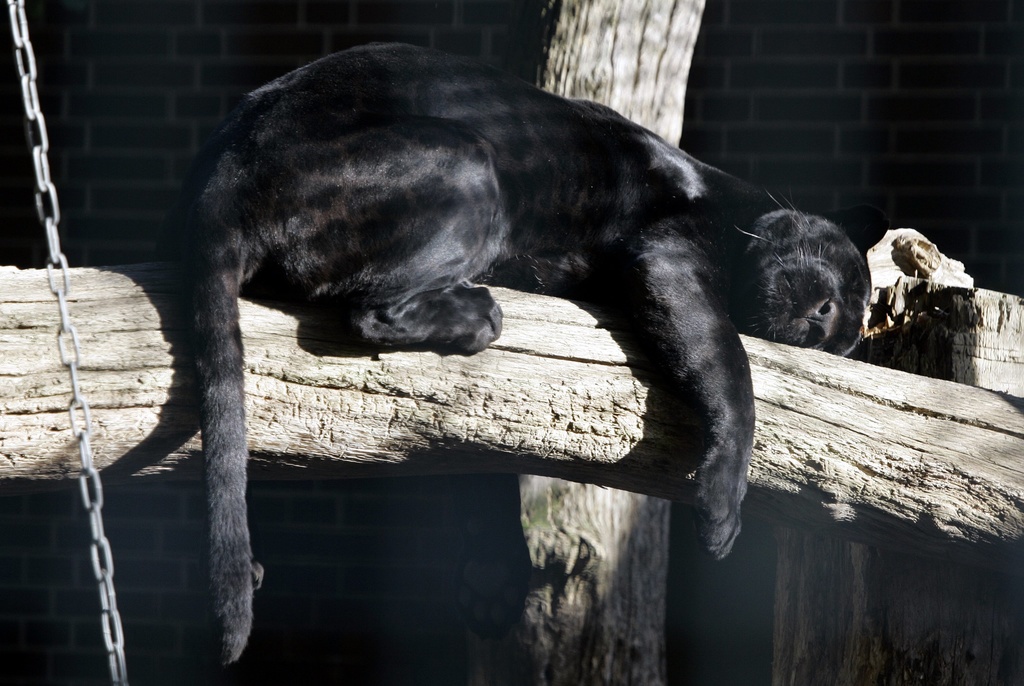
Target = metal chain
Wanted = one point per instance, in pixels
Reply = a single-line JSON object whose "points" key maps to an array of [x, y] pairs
{"points": [[67, 342]]}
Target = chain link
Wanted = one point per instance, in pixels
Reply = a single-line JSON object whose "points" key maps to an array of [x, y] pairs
{"points": [[68, 345]]}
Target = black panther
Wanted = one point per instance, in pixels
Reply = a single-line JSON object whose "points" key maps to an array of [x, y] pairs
{"points": [[396, 182]]}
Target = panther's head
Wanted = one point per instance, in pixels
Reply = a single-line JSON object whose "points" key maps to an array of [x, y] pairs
{"points": [[803, 280]]}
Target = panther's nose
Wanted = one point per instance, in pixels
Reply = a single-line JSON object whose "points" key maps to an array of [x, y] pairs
{"points": [[821, 319]]}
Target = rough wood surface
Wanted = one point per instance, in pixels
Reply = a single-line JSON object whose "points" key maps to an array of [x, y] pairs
{"points": [[631, 56], [906, 252], [598, 557], [872, 454], [868, 615], [969, 335]]}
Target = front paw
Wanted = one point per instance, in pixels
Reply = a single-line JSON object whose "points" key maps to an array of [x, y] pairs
{"points": [[717, 527], [721, 485], [480, 320]]}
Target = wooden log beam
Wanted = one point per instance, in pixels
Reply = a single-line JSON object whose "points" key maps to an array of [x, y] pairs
{"points": [[843, 448]]}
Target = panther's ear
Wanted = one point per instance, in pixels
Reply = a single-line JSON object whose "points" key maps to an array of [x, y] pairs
{"points": [[864, 224]]}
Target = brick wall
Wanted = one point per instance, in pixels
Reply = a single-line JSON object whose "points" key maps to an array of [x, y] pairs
{"points": [[914, 106], [130, 89], [357, 589]]}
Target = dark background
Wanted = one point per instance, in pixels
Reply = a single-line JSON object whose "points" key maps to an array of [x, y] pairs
{"points": [[912, 105]]}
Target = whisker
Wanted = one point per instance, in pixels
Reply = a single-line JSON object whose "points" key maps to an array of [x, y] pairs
{"points": [[790, 200], [753, 235], [773, 198]]}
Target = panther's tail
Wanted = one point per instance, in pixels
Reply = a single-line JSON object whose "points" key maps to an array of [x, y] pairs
{"points": [[213, 265]]}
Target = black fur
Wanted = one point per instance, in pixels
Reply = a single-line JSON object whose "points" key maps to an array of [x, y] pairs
{"points": [[392, 179]]}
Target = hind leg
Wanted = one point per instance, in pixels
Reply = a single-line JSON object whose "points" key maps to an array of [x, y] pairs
{"points": [[462, 318]]}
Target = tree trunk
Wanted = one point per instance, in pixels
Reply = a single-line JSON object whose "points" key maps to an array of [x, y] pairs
{"points": [[849, 614], [631, 56], [596, 609], [867, 615]]}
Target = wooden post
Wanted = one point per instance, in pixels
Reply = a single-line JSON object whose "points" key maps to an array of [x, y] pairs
{"points": [[850, 614], [596, 609]]}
